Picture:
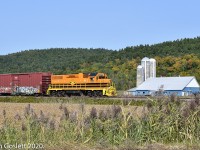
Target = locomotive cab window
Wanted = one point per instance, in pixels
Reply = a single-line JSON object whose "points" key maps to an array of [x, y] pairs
{"points": [[102, 77]]}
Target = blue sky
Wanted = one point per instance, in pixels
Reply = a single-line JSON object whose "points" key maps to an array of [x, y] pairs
{"points": [[111, 24]]}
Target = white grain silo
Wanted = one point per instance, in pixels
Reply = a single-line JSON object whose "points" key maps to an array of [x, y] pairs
{"points": [[152, 68], [146, 65], [140, 75]]}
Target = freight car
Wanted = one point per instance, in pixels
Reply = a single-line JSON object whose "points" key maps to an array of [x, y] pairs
{"points": [[84, 84], [25, 83], [39, 83]]}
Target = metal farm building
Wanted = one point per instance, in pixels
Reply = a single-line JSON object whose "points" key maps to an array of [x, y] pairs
{"points": [[182, 86]]}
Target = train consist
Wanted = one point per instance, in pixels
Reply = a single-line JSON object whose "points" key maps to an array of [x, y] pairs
{"points": [[40, 83]]}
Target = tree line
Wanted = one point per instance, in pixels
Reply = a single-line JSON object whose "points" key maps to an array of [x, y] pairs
{"points": [[180, 57]]}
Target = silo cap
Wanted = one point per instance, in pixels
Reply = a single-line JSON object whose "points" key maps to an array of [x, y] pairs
{"points": [[152, 59], [139, 66], [145, 59]]}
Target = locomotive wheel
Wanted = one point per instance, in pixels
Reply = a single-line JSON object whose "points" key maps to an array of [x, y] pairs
{"points": [[89, 93], [100, 94], [53, 93], [95, 93], [59, 93], [81, 94], [63, 94]]}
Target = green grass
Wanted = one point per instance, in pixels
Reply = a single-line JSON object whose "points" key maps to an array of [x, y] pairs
{"points": [[75, 100]]}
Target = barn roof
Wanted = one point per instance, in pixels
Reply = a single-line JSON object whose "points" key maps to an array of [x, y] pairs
{"points": [[132, 90], [166, 83]]}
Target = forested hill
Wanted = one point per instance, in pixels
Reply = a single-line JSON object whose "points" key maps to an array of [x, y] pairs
{"points": [[173, 48], [180, 57], [56, 60]]}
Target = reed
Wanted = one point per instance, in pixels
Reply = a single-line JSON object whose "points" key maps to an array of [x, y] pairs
{"points": [[165, 120]]}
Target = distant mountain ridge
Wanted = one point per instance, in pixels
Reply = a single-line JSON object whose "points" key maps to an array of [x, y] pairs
{"points": [[120, 65]]}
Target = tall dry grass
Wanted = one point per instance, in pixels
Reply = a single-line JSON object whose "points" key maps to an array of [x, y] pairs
{"points": [[165, 120]]}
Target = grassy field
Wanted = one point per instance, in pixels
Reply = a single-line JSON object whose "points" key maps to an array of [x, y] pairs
{"points": [[81, 123], [55, 110], [74, 100]]}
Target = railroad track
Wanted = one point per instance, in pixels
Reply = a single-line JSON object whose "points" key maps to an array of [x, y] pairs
{"points": [[146, 98], [136, 98]]}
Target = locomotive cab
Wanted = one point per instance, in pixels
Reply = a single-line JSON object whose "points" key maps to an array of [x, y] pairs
{"points": [[102, 76]]}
